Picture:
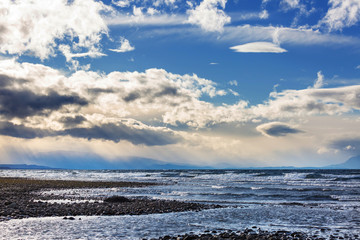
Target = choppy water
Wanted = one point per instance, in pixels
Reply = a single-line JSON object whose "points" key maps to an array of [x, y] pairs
{"points": [[325, 202]]}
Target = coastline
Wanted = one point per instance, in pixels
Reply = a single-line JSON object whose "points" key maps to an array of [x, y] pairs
{"points": [[21, 198]]}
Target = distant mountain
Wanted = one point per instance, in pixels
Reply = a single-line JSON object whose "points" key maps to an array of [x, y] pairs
{"points": [[151, 164], [93, 162], [351, 163], [22, 166]]}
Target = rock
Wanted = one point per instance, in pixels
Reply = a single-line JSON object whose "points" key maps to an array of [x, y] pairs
{"points": [[116, 199]]}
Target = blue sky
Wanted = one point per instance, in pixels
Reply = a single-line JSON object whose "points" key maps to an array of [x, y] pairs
{"points": [[210, 83]]}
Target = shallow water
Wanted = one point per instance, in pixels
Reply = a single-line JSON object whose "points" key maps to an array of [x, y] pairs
{"points": [[322, 202]]}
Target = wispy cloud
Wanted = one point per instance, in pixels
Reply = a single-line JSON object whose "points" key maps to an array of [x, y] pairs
{"points": [[319, 81], [285, 35], [146, 20], [233, 83], [341, 14]]}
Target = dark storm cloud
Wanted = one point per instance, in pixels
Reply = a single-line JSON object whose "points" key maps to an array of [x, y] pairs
{"points": [[112, 132], [23, 103], [132, 96], [6, 80], [97, 91], [72, 121], [20, 131], [150, 94], [309, 106], [167, 91], [118, 132], [351, 145], [276, 129]]}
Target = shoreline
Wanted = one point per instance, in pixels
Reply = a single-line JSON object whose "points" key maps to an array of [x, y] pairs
{"points": [[21, 198]]}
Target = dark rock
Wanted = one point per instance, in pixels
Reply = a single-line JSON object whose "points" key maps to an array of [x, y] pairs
{"points": [[116, 199]]}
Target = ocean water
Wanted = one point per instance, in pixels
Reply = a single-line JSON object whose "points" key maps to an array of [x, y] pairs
{"points": [[319, 202]]}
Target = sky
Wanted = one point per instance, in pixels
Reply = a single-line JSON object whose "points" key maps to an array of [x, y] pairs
{"points": [[216, 83]]}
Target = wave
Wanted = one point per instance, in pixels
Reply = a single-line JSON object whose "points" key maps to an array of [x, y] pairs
{"points": [[314, 176], [344, 179]]}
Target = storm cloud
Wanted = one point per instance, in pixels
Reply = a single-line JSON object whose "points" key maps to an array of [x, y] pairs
{"points": [[277, 129], [72, 121], [112, 132], [118, 132], [23, 103], [20, 131], [6, 80], [149, 94]]}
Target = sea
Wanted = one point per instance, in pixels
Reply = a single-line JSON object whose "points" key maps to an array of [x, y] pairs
{"points": [[322, 203]]}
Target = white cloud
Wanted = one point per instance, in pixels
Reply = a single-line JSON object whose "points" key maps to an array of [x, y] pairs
{"points": [[66, 51], [170, 3], [233, 83], [358, 67], [152, 11], [306, 102], [258, 47], [243, 16], [122, 3], [319, 81], [36, 27], [291, 3], [146, 20], [341, 14], [236, 94], [208, 16], [264, 14], [124, 46], [137, 12]]}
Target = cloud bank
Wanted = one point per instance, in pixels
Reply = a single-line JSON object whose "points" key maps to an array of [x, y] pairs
{"points": [[36, 27]]}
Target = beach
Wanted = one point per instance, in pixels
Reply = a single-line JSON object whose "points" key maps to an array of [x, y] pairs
{"points": [[20, 198]]}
